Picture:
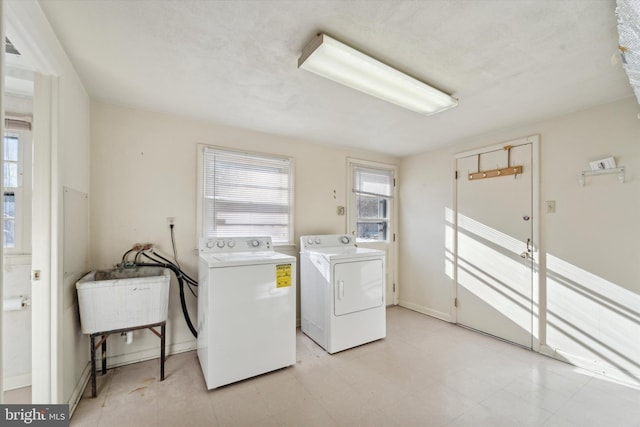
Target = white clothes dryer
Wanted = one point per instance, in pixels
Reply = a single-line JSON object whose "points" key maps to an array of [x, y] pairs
{"points": [[246, 309], [342, 292]]}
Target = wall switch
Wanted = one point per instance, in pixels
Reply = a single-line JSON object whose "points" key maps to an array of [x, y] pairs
{"points": [[340, 210], [551, 206]]}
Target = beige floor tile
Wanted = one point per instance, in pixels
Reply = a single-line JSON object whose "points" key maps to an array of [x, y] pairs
{"points": [[523, 412], [425, 372], [304, 413], [18, 396], [346, 406], [247, 410]]}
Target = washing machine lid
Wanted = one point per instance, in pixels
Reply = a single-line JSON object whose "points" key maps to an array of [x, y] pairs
{"points": [[231, 259]]}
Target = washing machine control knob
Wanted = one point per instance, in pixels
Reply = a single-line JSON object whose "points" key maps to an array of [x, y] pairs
{"points": [[220, 244], [231, 243], [344, 239], [317, 241], [209, 244], [310, 241], [255, 243]]}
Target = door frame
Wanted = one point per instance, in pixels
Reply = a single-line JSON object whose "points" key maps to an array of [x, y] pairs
{"points": [[538, 292], [29, 29], [392, 244]]}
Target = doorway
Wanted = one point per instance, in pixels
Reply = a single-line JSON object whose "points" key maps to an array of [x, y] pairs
{"points": [[17, 218], [371, 211], [496, 202]]}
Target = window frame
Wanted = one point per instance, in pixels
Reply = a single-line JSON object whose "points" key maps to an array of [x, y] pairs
{"points": [[201, 204], [352, 211], [22, 193]]}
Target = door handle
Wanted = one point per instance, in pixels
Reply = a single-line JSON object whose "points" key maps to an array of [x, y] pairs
{"points": [[340, 289], [529, 252]]}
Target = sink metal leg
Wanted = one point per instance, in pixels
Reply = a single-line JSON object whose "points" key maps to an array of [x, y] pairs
{"points": [[104, 355], [162, 341], [93, 366], [103, 346]]}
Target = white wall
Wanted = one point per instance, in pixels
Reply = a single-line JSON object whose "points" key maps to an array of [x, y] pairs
{"points": [[143, 170], [425, 268], [590, 245], [74, 258]]}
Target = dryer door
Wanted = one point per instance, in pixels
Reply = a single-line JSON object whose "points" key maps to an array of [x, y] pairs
{"points": [[357, 286]]}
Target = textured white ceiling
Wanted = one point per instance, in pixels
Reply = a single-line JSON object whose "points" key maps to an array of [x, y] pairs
{"points": [[509, 62]]}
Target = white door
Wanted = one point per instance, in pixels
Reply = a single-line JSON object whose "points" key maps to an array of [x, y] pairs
{"points": [[372, 212], [495, 244], [357, 286]]}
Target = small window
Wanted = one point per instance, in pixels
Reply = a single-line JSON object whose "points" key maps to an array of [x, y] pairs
{"points": [[246, 195], [11, 159], [16, 174], [9, 236], [372, 190], [10, 170]]}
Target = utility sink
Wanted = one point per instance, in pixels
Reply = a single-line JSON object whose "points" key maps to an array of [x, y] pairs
{"points": [[123, 298]]}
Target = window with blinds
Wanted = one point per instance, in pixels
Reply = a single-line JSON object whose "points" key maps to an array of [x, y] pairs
{"points": [[373, 190], [247, 195]]}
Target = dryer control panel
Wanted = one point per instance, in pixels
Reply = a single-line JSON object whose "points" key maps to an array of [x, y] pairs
{"points": [[326, 241], [235, 244]]}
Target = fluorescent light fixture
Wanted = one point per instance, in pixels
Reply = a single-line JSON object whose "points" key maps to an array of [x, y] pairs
{"points": [[343, 64]]}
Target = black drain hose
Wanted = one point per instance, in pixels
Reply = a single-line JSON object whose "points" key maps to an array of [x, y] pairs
{"points": [[179, 276]]}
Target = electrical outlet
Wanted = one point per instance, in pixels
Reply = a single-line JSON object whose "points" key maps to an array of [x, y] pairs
{"points": [[340, 210], [171, 221]]}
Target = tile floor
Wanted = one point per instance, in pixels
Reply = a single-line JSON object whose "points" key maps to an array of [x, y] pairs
{"points": [[18, 396], [425, 373]]}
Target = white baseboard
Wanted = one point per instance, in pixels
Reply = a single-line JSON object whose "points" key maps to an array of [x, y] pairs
{"points": [[425, 310], [78, 390], [152, 353], [17, 381]]}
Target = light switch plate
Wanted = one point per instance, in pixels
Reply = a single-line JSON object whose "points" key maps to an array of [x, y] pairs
{"points": [[551, 206]]}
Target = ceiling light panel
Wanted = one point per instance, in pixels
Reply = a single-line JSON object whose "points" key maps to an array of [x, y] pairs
{"points": [[343, 64]]}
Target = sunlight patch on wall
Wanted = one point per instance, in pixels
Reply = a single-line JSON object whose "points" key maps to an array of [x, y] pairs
{"points": [[590, 316]]}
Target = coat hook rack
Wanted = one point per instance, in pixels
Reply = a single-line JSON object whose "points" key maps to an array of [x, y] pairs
{"points": [[509, 170], [619, 171]]}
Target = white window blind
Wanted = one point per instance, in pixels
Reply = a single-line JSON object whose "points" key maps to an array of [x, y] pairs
{"points": [[247, 195], [373, 190], [373, 182]]}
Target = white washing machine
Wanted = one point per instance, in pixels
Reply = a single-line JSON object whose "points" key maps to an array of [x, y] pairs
{"points": [[342, 292], [246, 309]]}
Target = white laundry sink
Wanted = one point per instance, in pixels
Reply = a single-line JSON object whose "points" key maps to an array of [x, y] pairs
{"points": [[123, 298]]}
